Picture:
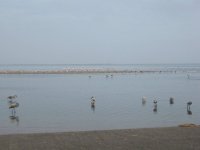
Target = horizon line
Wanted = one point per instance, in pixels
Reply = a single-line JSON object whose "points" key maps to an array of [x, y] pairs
{"points": [[100, 63]]}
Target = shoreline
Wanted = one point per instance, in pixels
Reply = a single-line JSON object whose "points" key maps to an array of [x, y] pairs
{"points": [[173, 138], [81, 71]]}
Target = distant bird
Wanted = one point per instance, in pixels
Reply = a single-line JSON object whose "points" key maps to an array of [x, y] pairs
{"points": [[155, 102], [107, 76], [12, 106], [189, 104], [144, 100], [89, 76], [155, 105], [188, 108], [171, 100], [93, 101]]}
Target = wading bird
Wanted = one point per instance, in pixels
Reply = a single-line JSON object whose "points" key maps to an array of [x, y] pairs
{"points": [[93, 101], [188, 108], [171, 100], [12, 106], [155, 106]]}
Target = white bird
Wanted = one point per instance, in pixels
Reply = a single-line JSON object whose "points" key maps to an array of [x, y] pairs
{"points": [[144, 100]]}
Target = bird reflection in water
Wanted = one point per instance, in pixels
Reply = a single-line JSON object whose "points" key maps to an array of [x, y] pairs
{"points": [[93, 108], [14, 119]]}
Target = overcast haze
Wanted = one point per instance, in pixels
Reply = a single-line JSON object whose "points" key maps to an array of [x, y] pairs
{"points": [[99, 31]]}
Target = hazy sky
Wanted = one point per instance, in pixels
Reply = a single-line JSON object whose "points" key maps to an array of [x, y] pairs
{"points": [[99, 31]]}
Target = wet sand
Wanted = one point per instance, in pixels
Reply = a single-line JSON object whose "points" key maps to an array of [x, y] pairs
{"points": [[172, 138]]}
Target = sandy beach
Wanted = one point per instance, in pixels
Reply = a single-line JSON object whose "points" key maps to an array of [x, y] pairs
{"points": [[171, 138]]}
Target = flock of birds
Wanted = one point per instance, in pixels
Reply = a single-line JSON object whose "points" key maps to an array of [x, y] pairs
{"points": [[144, 99], [107, 76], [14, 104], [171, 101]]}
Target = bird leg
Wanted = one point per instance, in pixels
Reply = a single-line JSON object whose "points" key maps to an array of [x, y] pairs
{"points": [[13, 112]]}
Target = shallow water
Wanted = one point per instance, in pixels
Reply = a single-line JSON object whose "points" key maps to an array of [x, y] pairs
{"points": [[53, 103]]}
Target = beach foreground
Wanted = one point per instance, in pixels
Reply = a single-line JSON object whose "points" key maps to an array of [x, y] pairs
{"points": [[173, 138]]}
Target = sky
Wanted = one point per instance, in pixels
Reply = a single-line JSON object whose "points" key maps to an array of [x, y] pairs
{"points": [[99, 31]]}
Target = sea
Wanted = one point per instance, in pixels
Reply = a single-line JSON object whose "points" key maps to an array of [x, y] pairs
{"points": [[62, 102]]}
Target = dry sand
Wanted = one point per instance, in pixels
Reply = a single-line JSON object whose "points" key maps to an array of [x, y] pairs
{"points": [[173, 138]]}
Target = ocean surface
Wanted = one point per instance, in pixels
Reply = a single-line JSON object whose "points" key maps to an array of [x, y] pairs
{"points": [[57, 103]]}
